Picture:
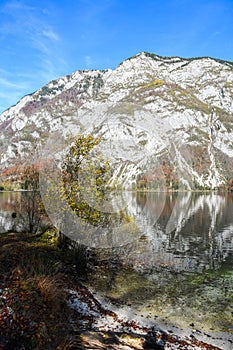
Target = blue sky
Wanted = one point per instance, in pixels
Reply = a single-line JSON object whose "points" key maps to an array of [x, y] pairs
{"points": [[42, 40]]}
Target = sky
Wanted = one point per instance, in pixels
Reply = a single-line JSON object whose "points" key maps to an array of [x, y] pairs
{"points": [[43, 40]]}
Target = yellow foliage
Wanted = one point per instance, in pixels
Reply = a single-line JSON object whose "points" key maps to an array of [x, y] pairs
{"points": [[156, 83]]}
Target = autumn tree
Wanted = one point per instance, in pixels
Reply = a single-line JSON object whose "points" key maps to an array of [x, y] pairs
{"points": [[77, 195], [85, 179]]}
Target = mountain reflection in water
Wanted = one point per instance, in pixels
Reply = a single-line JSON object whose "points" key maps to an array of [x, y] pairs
{"points": [[183, 231], [181, 254], [9, 203], [182, 261]]}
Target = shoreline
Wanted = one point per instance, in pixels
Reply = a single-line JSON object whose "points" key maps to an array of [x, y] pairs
{"points": [[116, 319], [218, 191], [46, 303]]}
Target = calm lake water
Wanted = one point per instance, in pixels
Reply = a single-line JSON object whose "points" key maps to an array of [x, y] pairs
{"points": [[9, 203], [177, 265], [180, 269]]}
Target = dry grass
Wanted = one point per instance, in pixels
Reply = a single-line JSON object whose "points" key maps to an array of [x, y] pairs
{"points": [[33, 286]]}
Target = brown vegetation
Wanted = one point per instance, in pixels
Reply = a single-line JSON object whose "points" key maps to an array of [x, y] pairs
{"points": [[34, 314]]}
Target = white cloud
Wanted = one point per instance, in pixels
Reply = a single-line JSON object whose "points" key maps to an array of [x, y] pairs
{"points": [[15, 5], [30, 26], [7, 84], [33, 46], [52, 35], [88, 61]]}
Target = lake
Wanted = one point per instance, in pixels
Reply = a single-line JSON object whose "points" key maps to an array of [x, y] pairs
{"points": [[9, 203], [180, 269], [177, 267]]}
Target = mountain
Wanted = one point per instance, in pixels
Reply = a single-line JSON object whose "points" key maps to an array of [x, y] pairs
{"points": [[165, 121]]}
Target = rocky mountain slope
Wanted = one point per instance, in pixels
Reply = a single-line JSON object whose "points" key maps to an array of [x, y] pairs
{"points": [[165, 121]]}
